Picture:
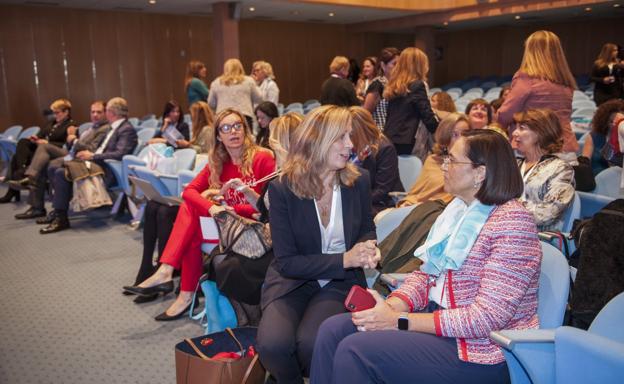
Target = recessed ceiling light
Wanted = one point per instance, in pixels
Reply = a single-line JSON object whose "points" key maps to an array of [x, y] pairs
{"points": [[252, 9], [152, 1], [445, 23], [616, 5], [331, 14], [517, 17], [588, 9]]}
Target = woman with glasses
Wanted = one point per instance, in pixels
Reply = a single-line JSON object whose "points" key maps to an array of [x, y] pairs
{"points": [[232, 155], [480, 271], [548, 180]]}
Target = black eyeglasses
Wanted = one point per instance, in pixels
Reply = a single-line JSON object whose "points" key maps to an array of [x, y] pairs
{"points": [[227, 128]]}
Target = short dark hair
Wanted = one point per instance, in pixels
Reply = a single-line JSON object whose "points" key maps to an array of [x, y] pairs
{"points": [[546, 125], [503, 181], [170, 106], [480, 102], [602, 118], [268, 108]]}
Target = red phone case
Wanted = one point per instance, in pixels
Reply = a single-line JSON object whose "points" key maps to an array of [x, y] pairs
{"points": [[359, 299]]}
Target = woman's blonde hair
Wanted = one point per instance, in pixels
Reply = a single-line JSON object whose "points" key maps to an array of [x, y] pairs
{"points": [[444, 132], [411, 66], [365, 131], [309, 149], [233, 72], [61, 105], [193, 70], [218, 155], [201, 116], [544, 59], [338, 64], [281, 129], [604, 58], [265, 67]]}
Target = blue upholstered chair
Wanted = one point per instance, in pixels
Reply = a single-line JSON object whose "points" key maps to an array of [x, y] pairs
{"points": [[567, 355]]}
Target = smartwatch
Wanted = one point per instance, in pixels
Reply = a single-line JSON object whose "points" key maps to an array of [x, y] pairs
{"points": [[403, 321]]}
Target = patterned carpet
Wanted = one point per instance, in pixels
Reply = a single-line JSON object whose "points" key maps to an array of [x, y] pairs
{"points": [[63, 318]]}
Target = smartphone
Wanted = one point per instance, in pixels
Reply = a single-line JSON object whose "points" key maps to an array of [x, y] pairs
{"points": [[359, 299]]}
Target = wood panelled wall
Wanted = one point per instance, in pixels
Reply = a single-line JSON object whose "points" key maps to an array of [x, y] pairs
{"points": [[47, 53], [498, 51]]}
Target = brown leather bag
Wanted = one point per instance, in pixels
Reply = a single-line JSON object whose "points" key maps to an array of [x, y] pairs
{"points": [[198, 368]]}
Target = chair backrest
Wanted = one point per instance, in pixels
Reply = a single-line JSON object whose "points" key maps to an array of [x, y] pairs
{"points": [[150, 123], [26, 133], [608, 322], [388, 221], [296, 105], [584, 112], [554, 284], [310, 101], [134, 121], [12, 132], [184, 158], [572, 213], [83, 127], [409, 170], [200, 162], [608, 182]]}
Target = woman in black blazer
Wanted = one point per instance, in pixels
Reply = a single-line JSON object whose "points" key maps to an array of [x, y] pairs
{"points": [[323, 235], [408, 103], [607, 74]]}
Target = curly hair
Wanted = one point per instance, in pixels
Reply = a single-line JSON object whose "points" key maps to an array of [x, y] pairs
{"points": [[218, 154], [602, 118]]}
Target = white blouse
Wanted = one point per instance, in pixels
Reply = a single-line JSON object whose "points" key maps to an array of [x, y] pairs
{"points": [[332, 236]]}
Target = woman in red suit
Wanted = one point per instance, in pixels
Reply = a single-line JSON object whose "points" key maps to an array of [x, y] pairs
{"points": [[232, 155]]}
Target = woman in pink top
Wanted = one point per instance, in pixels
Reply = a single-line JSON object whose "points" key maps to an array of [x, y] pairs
{"points": [[544, 81], [480, 273]]}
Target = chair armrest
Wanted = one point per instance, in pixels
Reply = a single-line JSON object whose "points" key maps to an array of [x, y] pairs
{"points": [[592, 203], [397, 196], [509, 338], [171, 182], [184, 177], [116, 168]]}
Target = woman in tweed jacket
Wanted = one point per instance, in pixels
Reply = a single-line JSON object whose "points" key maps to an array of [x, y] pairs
{"points": [[494, 287]]}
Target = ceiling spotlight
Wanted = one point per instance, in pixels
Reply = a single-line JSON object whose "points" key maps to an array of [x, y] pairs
{"points": [[588, 9], [252, 9], [616, 5], [152, 1], [445, 23], [517, 17], [331, 14]]}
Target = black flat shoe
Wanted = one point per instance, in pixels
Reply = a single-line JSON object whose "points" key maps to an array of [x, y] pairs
{"points": [[48, 219], [164, 288], [145, 299], [164, 317], [10, 195], [22, 184], [31, 213], [57, 225]]}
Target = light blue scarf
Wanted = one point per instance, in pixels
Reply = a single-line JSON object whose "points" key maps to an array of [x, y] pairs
{"points": [[452, 235]]}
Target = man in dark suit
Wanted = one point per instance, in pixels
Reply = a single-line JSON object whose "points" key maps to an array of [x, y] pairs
{"points": [[119, 141], [52, 157], [337, 90]]}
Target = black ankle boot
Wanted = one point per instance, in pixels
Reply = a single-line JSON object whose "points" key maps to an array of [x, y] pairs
{"points": [[10, 195]]}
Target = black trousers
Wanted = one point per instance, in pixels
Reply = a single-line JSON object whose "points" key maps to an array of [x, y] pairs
{"points": [[24, 152], [289, 326], [157, 226]]}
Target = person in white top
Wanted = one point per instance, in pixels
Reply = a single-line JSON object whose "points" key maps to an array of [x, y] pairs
{"points": [[323, 235], [262, 73]]}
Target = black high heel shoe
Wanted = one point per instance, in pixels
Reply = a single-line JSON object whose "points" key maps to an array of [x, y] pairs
{"points": [[164, 317], [164, 288], [10, 195]]}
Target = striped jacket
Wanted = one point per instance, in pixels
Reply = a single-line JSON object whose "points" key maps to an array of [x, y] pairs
{"points": [[494, 289]]}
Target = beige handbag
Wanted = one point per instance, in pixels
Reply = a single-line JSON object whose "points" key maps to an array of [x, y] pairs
{"points": [[247, 237]]}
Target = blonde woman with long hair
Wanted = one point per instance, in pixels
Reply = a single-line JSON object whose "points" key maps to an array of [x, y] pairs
{"points": [[202, 119], [408, 103], [323, 235], [543, 81], [607, 74], [196, 89], [234, 90], [232, 155]]}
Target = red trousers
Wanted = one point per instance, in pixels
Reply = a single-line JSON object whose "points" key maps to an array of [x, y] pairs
{"points": [[183, 250]]}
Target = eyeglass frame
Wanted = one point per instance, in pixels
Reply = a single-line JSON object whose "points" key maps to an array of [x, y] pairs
{"points": [[446, 161], [229, 128]]}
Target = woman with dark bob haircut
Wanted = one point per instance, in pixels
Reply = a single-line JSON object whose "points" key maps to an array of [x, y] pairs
{"points": [[265, 112], [548, 180], [480, 271]]}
